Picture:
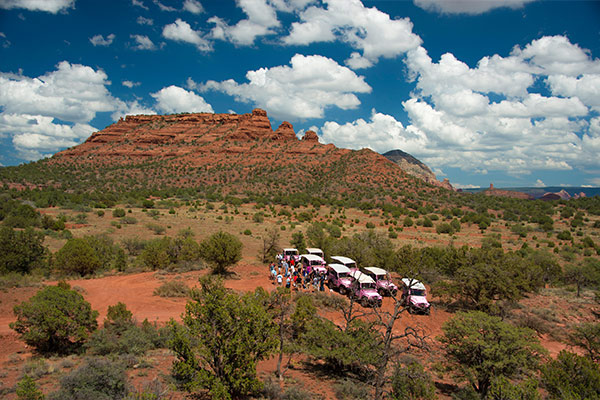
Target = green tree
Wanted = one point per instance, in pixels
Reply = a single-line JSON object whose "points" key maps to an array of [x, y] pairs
{"points": [[27, 389], [298, 242], [503, 389], [55, 319], [270, 245], [587, 337], [155, 254], [481, 348], [410, 381], [20, 251], [582, 275], [222, 338], [78, 257], [222, 250], [571, 377]]}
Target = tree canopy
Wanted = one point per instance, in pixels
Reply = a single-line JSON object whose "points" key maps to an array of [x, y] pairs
{"points": [[222, 338], [481, 347], [55, 319]]}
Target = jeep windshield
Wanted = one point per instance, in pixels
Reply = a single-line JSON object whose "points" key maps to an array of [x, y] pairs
{"points": [[367, 285], [343, 275], [291, 253], [417, 292], [381, 278]]}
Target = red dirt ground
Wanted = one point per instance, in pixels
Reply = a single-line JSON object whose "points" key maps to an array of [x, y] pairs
{"points": [[135, 290]]}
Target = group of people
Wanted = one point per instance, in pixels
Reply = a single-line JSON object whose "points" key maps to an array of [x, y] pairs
{"points": [[295, 275]]}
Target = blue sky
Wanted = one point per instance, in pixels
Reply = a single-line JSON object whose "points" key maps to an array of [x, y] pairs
{"points": [[502, 91]]}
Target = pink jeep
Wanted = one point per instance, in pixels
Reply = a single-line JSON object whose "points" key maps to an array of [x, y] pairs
{"points": [[290, 253], [315, 251], [364, 290], [339, 278], [414, 296], [348, 262], [382, 279], [313, 263]]}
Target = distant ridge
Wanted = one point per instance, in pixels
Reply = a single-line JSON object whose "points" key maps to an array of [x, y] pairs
{"points": [[537, 192], [415, 168]]}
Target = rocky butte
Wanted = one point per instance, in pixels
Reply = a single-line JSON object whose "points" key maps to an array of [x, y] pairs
{"points": [[235, 152]]}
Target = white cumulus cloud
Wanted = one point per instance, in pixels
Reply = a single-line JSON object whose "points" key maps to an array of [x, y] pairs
{"points": [[47, 113], [99, 40], [262, 18], [193, 6], [181, 31], [366, 29], [51, 6], [302, 90], [143, 42], [174, 99], [471, 7], [144, 21], [381, 133], [72, 92]]}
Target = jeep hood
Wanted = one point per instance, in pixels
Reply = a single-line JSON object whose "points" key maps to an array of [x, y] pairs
{"points": [[386, 284], [371, 293], [345, 282], [420, 301]]}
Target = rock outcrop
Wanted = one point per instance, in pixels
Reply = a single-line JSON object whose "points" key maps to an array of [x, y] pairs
{"points": [[234, 152], [416, 168], [492, 191], [310, 136]]}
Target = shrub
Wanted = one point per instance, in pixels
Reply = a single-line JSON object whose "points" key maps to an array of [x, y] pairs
{"points": [[118, 213], [172, 289], [564, 235], [370, 225], [128, 220], [350, 390], [247, 232], [212, 327], [156, 228], [571, 376], [55, 319], [100, 213], [411, 381], [298, 242], [408, 222], [100, 379], [222, 250], [134, 245], [258, 217], [444, 227], [27, 390], [481, 347], [77, 257], [20, 251]]}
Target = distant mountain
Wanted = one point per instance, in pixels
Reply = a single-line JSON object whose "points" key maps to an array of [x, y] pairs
{"points": [[563, 192], [227, 153], [415, 168]]}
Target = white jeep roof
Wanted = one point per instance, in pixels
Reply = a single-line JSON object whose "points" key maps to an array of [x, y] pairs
{"points": [[362, 278], [376, 271], [339, 268], [343, 260], [312, 250], [290, 249], [312, 257], [413, 284]]}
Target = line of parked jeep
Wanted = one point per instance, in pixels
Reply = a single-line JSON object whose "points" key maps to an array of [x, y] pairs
{"points": [[367, 285]]}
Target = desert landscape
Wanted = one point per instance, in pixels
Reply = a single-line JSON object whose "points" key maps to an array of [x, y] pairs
{"points": [[299, 199]]}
